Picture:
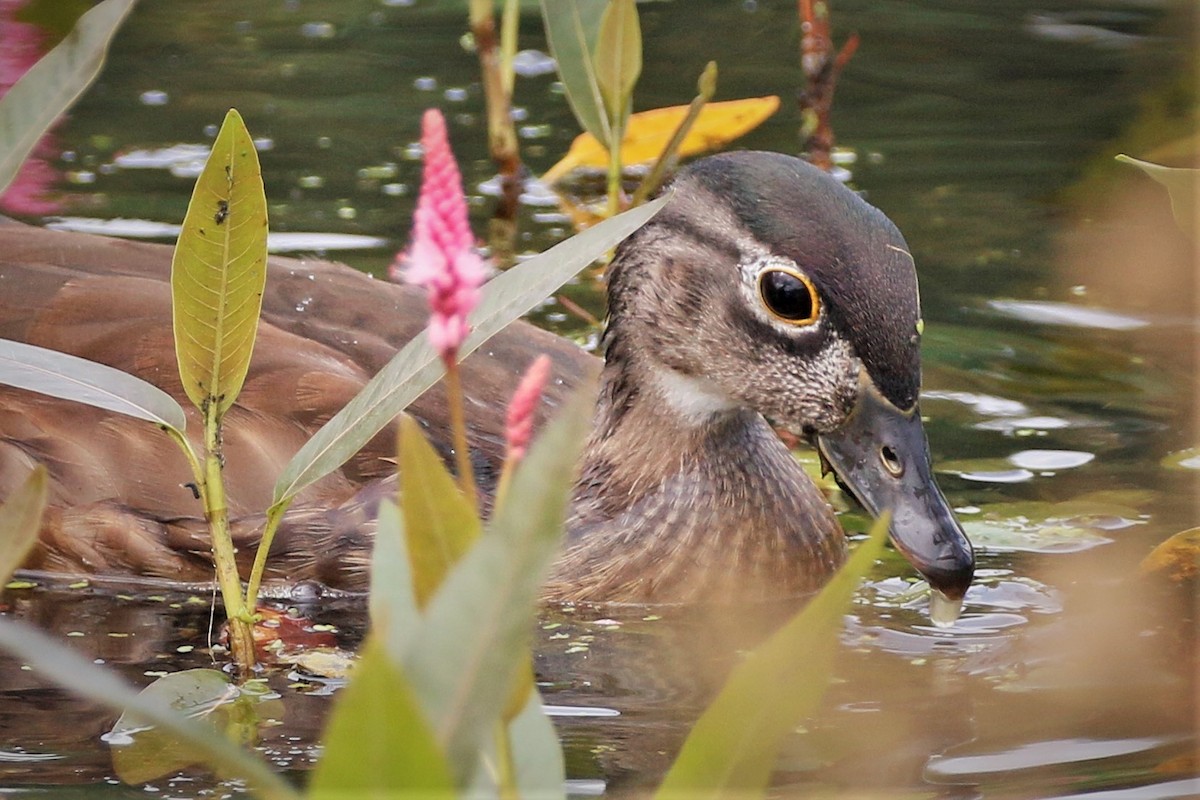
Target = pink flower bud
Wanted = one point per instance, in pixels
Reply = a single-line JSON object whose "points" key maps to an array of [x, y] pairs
{"points": [[442, 258], [518, 424]]}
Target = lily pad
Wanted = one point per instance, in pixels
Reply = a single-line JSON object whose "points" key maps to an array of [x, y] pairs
{"points": [[1041, 527]]}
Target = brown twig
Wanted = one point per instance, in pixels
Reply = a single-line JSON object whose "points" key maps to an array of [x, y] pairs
{"points": [[821, 71]]}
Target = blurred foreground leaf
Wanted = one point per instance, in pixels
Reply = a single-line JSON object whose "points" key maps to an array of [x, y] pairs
{"points": [[648, 132], [68, 669], [417, 367], [20, 520], [57, 374], [48, 89], [731, 750], [1180, 185], [142, 751], [378, 743], [219, 271], [440, 524], [475, 633]]}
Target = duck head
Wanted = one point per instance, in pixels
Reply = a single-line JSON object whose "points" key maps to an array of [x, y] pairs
{"points": [[765, 284]]}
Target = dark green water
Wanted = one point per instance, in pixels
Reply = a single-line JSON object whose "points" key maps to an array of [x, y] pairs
{"points": [[1059, 374]]}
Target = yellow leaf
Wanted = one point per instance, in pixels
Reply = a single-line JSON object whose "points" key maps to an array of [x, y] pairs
{"points": [[1178, 558], [649, 131]]}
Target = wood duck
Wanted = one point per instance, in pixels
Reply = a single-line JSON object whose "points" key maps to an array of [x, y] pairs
{"points": [[763, 289]]}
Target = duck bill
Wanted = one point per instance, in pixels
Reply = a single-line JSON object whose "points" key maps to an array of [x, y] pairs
{"points": [[881, 456]]}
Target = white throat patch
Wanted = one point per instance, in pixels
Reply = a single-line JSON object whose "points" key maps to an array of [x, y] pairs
{"points": [[693, 399]]}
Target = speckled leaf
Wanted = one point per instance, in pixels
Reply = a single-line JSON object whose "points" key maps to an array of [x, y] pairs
{"points": [[1180, 185], [219, 270], [20, 520], [69, 377], [417, 367], [378, 744], [439, 523], [618, 59], [47, 90], [731, 750], [572, 28], [475, 633]]}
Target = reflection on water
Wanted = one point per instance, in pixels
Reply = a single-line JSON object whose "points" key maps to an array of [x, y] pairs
{"points": [[1058, 388]]}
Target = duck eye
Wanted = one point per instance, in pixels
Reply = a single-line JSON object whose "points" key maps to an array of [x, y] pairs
{"points": [[789, 296], [891, 461]]}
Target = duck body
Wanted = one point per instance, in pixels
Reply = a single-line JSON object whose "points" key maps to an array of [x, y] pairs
{"points": [[762, 288]]}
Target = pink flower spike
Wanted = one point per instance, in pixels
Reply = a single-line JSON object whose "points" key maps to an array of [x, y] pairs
{"points": [[442, 258], [518, 424]]}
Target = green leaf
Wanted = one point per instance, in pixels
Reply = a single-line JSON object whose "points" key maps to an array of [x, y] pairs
{"points": [[572, 28], [20, 521], [377, 743], [417, 367], [439, 523], [731, 750], [618, 60], [219, 270], [536, 752], [394, 614], [68, 669], [475, 634], [1181, 186], [143, 751], [48, 89], [60, 375]]}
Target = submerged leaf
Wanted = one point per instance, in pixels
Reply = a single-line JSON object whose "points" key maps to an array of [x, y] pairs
{"points": [[572, 28], [378, 743], [1181, 186], [57, 374], [417, 367], [219, 270], [31, 106], [1178, 557], [20, 520], [440, 524], [475, 634], [143, 751], [648, 132], [732, 748]]}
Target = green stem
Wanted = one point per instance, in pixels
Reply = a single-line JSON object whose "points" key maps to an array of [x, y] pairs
{"points": [[458, 429], [274, 517], [706, 87], [614, 175], [216, 509], [507, 778]]}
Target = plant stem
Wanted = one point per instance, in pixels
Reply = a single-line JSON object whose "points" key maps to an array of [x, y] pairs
{"points": [[458, 429], [706, 87], [274, 517], [502, 134], [614, 175], [216, 510], [507, 778]]}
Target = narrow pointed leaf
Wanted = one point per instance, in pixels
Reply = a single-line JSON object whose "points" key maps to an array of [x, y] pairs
{"points": [[572, 28], [1181, 185], [417, 367], [378, 743], [68, 669], [20, 520], [71, 378], [394, 614], [618, 59], [439, 523], [48, 89], [731, 750], [648, 132], [219, 270], [476, 630], [536, 752]]}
